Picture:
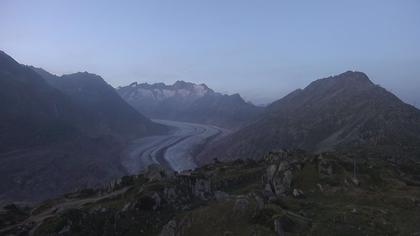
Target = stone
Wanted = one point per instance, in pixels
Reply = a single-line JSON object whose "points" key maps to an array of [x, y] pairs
{"points": [[241, 205], [157, 200], [278, 228], [297, 193], [202, 189], [280, 181], [320, 187], [259, 201], [170, 194], [221, 196], [169, 229], [355, 181], [126, 207], [156, 172], [271, 171], [325, 168]]}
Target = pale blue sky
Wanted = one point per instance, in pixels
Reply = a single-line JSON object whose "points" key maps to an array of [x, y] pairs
{"points": [[262, 49]]}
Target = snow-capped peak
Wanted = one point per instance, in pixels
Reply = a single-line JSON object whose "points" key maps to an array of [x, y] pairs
{"points": [[160, 91]]}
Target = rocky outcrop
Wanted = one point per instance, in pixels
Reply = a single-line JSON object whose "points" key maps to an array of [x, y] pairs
{"points": [[176, 227], [325, 168], [279, 173], [156, 172], [170, 229], [300, 194], [198, 186]]}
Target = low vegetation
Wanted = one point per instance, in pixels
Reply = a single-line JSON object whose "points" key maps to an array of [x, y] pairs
{"points": [[284, 193]]}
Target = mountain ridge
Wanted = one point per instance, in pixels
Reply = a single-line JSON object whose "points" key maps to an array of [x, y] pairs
{"points": [[340, 112], [186, 101], [51, 142], [108, 111]]}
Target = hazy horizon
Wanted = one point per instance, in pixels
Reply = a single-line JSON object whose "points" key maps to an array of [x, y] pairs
{"points": [[261, 50]]}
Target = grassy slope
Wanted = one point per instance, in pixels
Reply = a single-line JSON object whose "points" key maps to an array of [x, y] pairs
{"points": [[385, 200]]}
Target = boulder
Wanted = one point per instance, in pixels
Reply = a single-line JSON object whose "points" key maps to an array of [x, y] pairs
{"points": [[278, 178], [156, 172], [202, 188], [325, 168], [241, 205], [169, 229], [297, 193], [221, 196]]}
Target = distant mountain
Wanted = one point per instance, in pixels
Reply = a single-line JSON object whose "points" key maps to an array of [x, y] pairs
{"points": [[107, 111], [51, 141], [344, 112], [185, 101]]}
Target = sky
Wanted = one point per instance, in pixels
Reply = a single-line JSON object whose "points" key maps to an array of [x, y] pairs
{"points": [[262, 49]]}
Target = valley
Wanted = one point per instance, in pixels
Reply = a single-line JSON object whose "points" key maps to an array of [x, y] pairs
{"points": [[185, 118], [175, 150]]}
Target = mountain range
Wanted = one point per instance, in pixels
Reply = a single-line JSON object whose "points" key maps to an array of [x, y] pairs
{"points": [[185, 101], [339, 157], [61, 133], [107, 112], [346, 112]]}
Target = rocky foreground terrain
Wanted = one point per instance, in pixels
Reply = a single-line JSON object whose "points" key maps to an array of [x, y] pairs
{"points": [[284, 193]]}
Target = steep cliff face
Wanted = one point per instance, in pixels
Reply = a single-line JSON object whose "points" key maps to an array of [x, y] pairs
{"points": [[344, 112], [285, 192]]}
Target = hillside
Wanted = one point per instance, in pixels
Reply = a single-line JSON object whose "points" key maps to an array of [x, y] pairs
{"points": [[346, 112], [31, 111], [284, 193], [108, 113], [50, 142]]}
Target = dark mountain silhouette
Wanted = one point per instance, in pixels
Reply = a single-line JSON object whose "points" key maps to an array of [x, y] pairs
{"points": [[223, 110], [31, 111], [107, 111], [52, 140], [344, 112], [185, 101]]}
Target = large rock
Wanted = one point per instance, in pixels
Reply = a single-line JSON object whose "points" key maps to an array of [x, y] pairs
{"points": [[325, 167], [157, 172], [176, 227], [279, 174]]}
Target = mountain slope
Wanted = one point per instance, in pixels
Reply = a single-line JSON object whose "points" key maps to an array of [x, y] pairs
{"points": [[284, 193], [343, 112], [107, 111], [229, 111], [31, 111], [49, 142], [184, 101]]}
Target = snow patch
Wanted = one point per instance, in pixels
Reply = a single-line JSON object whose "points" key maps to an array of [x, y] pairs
{"points": [[200, 90]]}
